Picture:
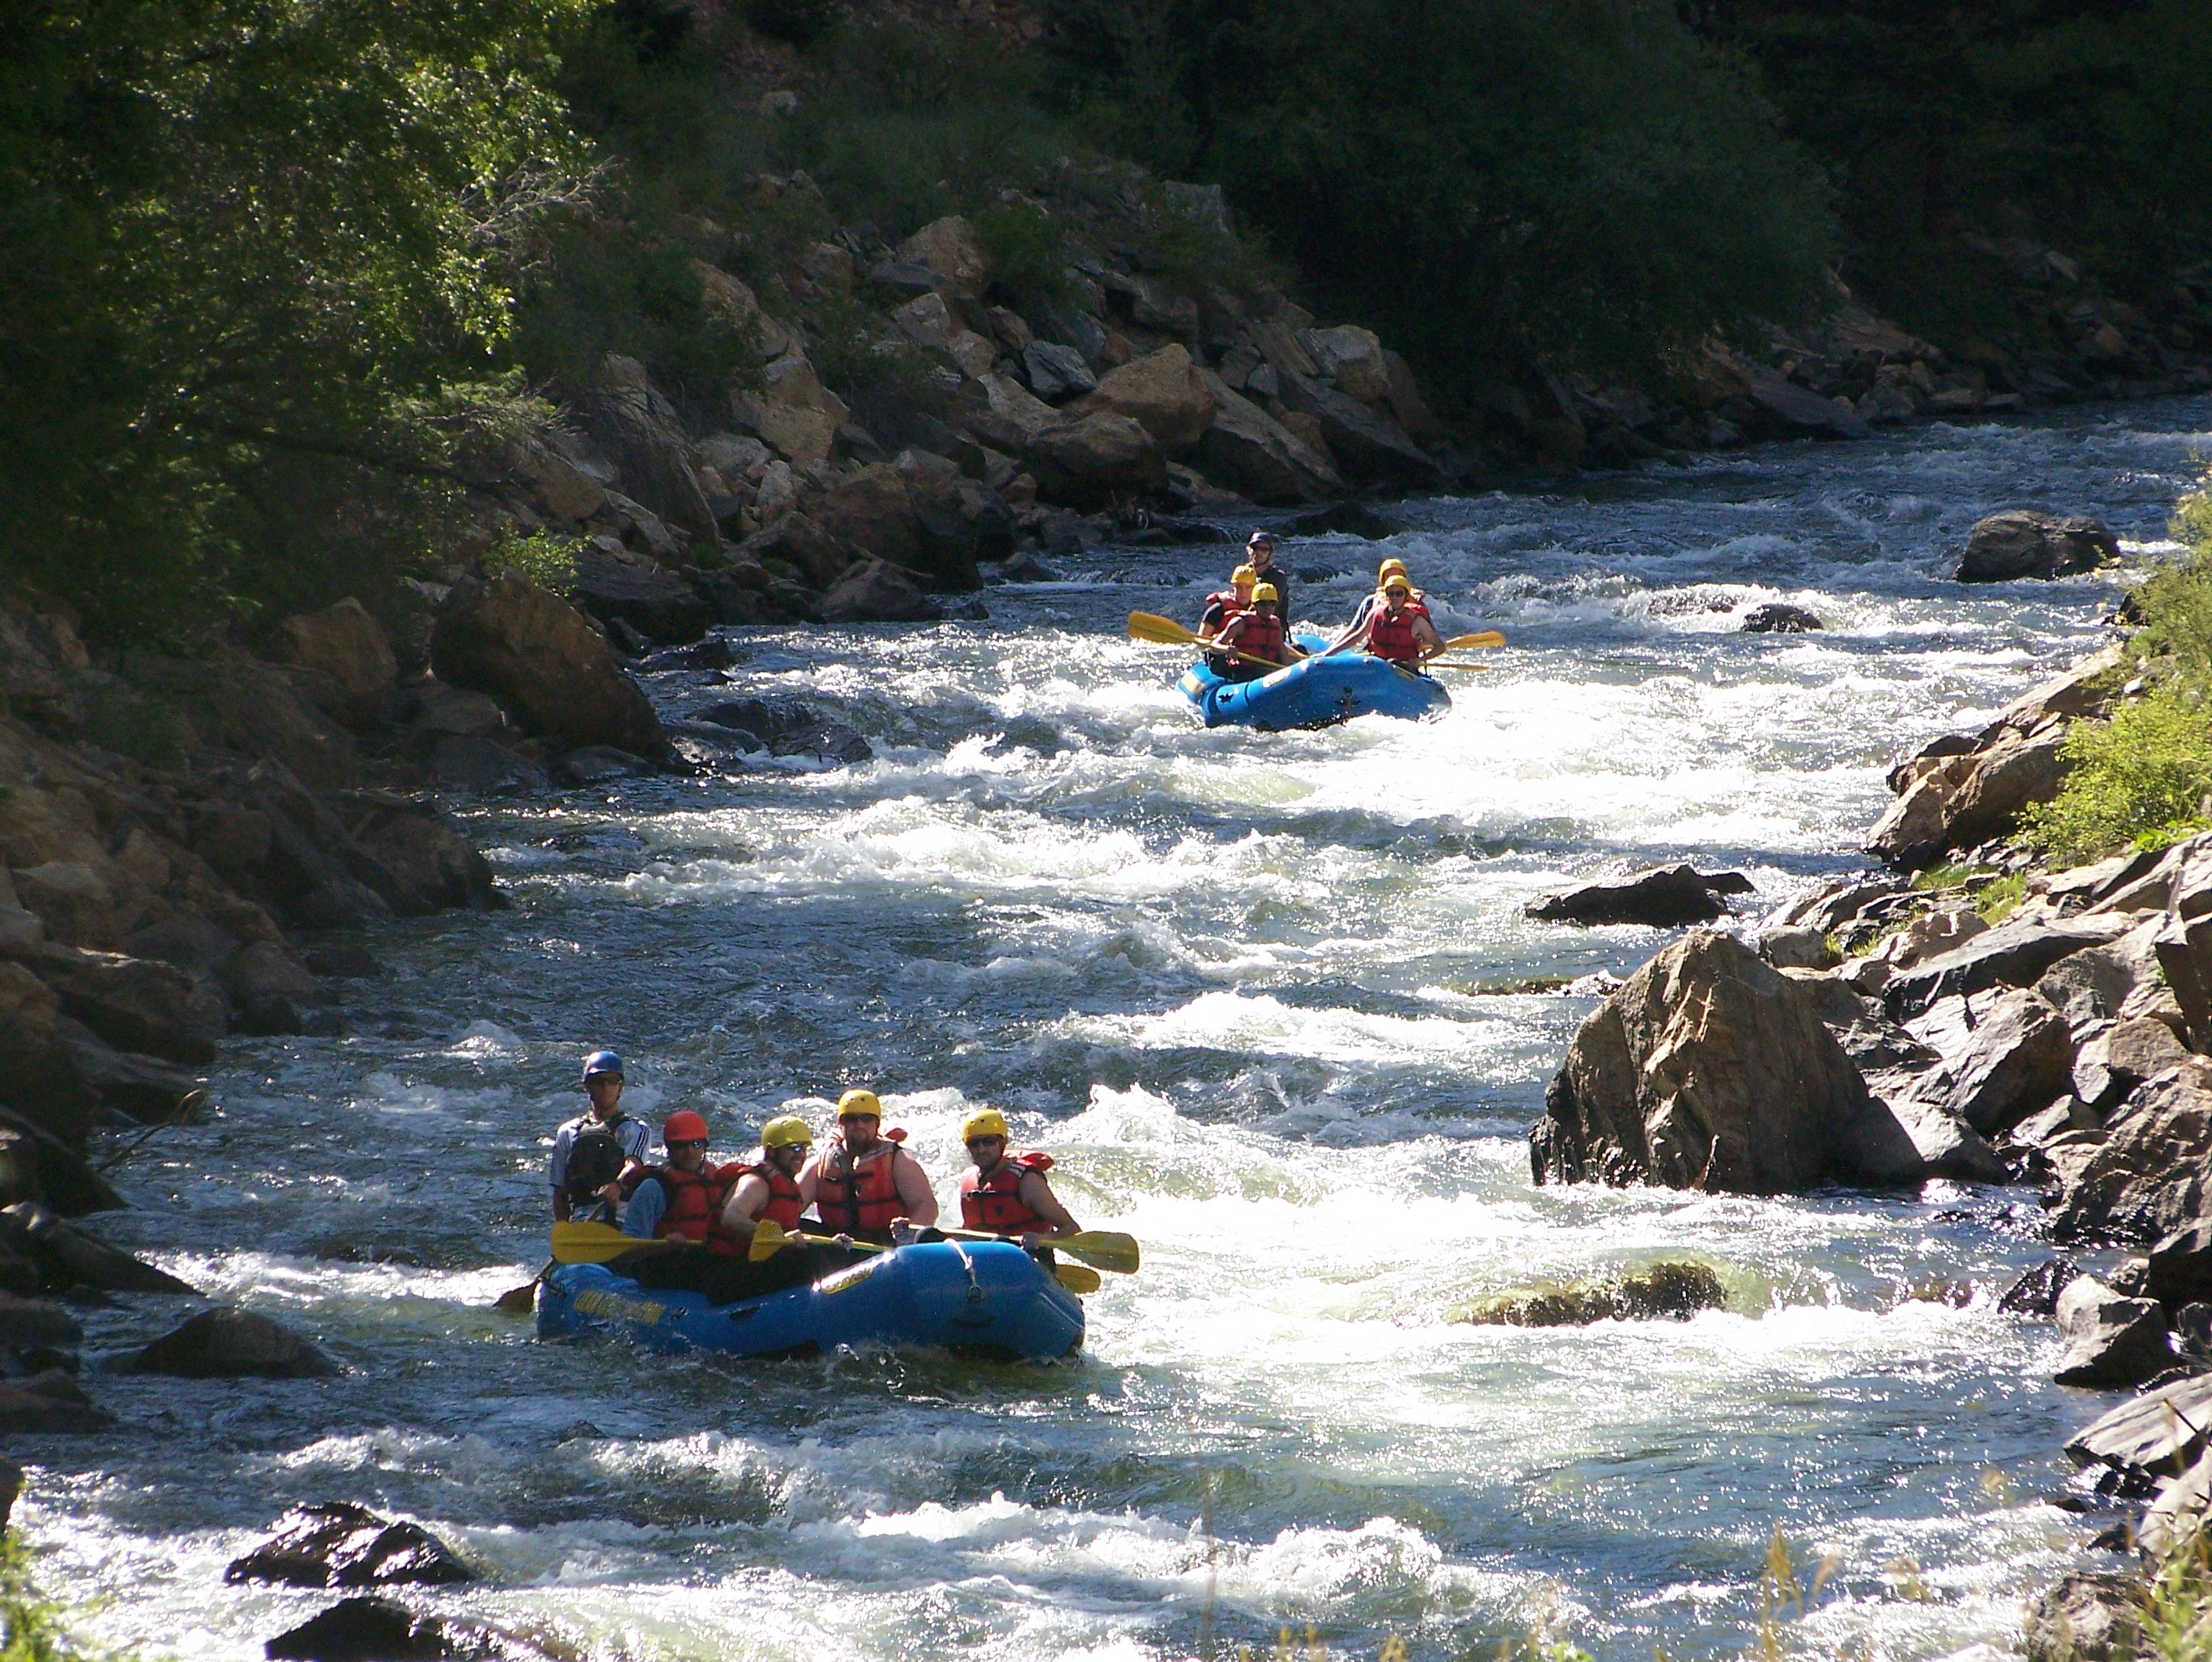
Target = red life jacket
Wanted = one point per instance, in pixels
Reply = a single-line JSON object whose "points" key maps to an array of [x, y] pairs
{"points": [[1393, 637], [862, 1203], [694, 1205], [994, 1203], [1261, 637], [1229, 604], [784, 1201]]}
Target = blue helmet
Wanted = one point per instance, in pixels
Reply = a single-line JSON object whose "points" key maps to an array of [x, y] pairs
{"points": [[602, 1061]]}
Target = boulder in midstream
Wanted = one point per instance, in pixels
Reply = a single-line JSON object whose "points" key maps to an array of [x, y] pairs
{"points": [[339, 1544]]}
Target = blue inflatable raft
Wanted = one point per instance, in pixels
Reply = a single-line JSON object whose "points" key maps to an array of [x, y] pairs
{"points": [[985, 1295], [1314, 692]]}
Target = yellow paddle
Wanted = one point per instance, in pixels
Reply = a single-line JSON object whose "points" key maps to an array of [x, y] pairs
{"points": [[770, 1237], [1109, 1249], [1166, 632], [598, 1243]]}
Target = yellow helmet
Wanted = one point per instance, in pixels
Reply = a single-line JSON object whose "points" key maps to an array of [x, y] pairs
{"points": [[785, 1130], [1265, 591], [984, 1122], [1393, 564], [1396, 584], [859, 1103], [1243, 576]]}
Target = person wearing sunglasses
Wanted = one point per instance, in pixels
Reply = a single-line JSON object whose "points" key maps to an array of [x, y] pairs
{"points": [[775, 1184], [685, 1199], [1005, 1193]]}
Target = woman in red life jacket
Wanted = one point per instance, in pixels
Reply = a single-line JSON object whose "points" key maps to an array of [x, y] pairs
{"points": [[1372, 603], [683, 1200], [864, 1184], [1394, 630], [1221, 606], [769, 1184], [1256, 642], [1005, 1193]]}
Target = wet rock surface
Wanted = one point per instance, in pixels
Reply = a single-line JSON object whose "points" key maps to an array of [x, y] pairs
{"points": [[339, 1544], [1663, 896], [233, 1344]]}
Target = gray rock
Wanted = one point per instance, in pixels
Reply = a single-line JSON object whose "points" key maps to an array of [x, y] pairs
{"points": [[2179, 1512], [2023, 543], [36, 1165], [909, 278], [1961, 801], [339, 1544], [2014, 1060], [2110, 1340], [233, 1344], [1795, 947], [1778, 617], [2088, 1616], [1911, 1138], [1711, 1069], [655, 602], [69, 1257], [2115, 1062], [1055, 372], [1839, 906], [1370, 446], [366, 1629], [2180, 1270], [1795, 408], [875, 592], [2036, 1293], [479, 767], [2068, 1114], [27, 1323], [602, 764], [47, 1404], [2152, 1174], [1663, 896], [2157, 1435], [2015, 953], [512, 638]]}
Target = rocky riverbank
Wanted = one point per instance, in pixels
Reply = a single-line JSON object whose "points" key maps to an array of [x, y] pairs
{"points": [[1965, 1011]]}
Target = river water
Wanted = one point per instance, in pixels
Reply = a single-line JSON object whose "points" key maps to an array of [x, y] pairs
{"points": [[1265, 998]]}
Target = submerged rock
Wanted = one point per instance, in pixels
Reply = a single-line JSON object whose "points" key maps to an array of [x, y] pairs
{"points": [[2023, 543], [1778, 617], [339, 1544], [2036, 1293], [1675, 1288], [220, 1344], [364, 1630]]}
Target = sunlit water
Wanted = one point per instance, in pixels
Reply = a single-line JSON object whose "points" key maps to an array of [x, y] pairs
{"points": [[1258, 994]]}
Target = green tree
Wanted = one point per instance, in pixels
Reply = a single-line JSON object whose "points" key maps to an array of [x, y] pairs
{"points": [[256, 257]]}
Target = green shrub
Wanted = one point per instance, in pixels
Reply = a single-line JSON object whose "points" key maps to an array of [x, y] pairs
{"points": [[2177, 1613], [1027, 250], [547, 558], [2139, 780], [33, 1627]]}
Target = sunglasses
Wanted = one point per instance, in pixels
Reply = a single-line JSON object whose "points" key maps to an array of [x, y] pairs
{"points": [[689, 1143], [973, 1141]]}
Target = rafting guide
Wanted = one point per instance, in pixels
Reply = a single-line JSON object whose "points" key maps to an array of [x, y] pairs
{"points": [[592, 1152]]}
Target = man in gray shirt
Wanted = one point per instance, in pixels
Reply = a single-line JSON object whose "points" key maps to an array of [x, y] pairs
{"points": [[598, 1203]]}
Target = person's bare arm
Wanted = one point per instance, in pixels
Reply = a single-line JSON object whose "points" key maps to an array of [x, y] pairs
{"points": [[560, 1205], [1036, 1194], [914, 1193], [741, 1212]]}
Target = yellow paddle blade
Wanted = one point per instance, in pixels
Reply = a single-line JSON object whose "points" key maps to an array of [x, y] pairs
{"points": [[594, 1243], [1078, 1280], [1150, 626], [768, 1240], [1109, 1249], [1486, 638]]}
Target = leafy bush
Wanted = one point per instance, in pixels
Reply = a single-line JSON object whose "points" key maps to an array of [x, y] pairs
{"points": [[547, 558], [1027, 250], [2139, 780]]}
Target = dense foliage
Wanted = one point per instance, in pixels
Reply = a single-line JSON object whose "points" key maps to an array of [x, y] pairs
{"points": [[2143, 778], [1481, 181], [2076, 123], [254, 255]]}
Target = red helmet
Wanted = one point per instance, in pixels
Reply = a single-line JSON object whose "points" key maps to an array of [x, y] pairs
{"points": [[683, 1126]]}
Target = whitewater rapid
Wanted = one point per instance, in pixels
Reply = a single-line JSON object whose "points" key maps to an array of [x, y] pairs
{"points": [[1264, 997]]}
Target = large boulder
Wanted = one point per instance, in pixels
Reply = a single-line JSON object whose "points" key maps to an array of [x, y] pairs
{"points": [[2158, 1435], [1663, 896], [1055, 372], [37, 1165], [1370, 446], [137, 1003], [1711, 1069], [2002, 1060], [2015, 953], [228, 1344], [1089, 463], [347, 648], [36, 1073], [2182, 944], [1162, 391], [638, 429], [2089, 1615], [369, 1628], [792, 412], [2024, 543], [2152, 1173], [426, 864], [339, 1544], [949, 247], [652, 600], [908, 519], [1352, 358], [534, 652], [2109, 1339], [1961, 801], [2128, 1054], [2181, 1265], [1250, 451], [1792, 410], [69, 1257], [874, 591]]}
